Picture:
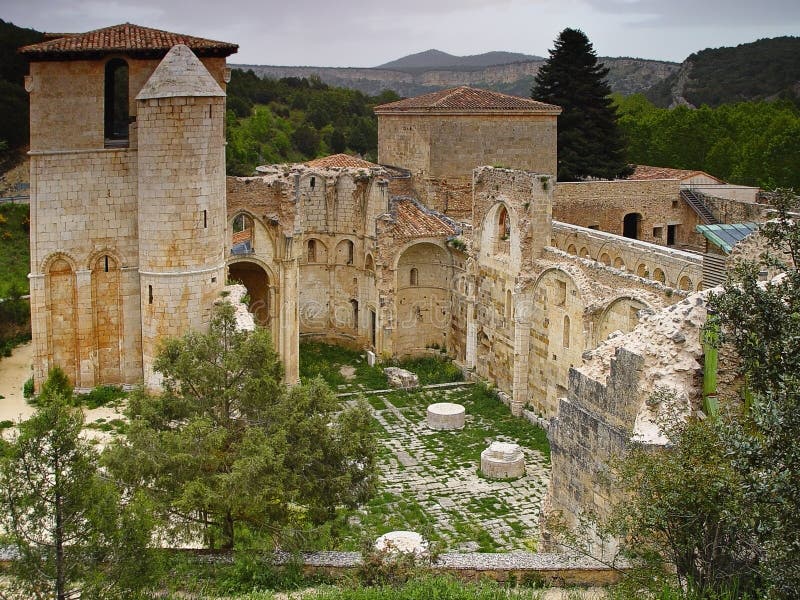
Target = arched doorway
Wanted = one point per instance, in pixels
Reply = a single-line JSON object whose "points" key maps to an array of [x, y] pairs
{"points": [[256, 280], [631, 226]]}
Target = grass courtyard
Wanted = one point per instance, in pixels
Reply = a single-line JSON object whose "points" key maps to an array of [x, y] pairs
{"points": [[430, 480]]}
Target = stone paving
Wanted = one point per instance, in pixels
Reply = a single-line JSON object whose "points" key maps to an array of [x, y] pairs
{"points": [[468, 512]]}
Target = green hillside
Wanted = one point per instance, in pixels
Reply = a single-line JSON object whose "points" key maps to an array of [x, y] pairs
{"points": [[14, 248], [13, 97], [294, 120], [762, 70]]}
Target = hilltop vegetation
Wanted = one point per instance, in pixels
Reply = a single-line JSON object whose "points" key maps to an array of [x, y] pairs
{"points": [[293, 120], [749, 143], [762, 70], [13, 97]]}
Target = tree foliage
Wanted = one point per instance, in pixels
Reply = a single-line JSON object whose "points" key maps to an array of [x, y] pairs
{"points": [[761, 70], [762, 321], [74, 533], [293, 120], [720, 502], [589, 141], [750, 143], [227, 447], [683, 512]]}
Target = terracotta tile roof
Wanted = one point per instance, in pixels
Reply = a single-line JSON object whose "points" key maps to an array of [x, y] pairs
{"points": [[342, 161], [128, 38], [468, 99], [645, 172], [412, 220]]}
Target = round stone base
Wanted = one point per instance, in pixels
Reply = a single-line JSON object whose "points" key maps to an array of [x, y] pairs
{"points": [[446, 415], [502, 460], [402, 542]]}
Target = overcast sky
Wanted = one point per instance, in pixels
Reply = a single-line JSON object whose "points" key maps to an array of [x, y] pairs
{"points": [[364, 34]]}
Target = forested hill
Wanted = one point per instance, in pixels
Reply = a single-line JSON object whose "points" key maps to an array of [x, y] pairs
{"points": [[13, 97], [763, 70]]}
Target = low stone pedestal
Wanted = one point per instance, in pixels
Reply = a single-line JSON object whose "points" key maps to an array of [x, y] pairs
{"points": [[402, 542], [502, 460], [445, 416], [400, 378]]}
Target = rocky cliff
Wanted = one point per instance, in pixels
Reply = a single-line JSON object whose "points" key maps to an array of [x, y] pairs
{"points": [[626, 76]]}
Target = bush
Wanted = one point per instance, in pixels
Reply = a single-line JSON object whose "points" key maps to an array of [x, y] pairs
{"points": [[432, 369], [101, 395], [27, 388]]}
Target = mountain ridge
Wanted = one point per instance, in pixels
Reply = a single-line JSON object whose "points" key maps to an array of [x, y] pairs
{"points": [[437, 59]]}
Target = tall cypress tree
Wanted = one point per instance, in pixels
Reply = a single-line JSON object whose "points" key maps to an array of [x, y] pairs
{"points": [[589, 142]]}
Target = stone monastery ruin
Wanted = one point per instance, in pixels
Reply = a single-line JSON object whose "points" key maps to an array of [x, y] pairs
{"points": [[135, 230]]}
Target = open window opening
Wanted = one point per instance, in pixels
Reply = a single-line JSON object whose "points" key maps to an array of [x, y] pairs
{"points": [[116, 103]]}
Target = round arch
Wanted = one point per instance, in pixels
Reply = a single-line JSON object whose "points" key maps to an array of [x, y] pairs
{"points": [[259, 280]]}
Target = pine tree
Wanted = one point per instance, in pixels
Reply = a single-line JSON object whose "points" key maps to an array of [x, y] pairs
{"points": [[589, 141], [74, 534]]}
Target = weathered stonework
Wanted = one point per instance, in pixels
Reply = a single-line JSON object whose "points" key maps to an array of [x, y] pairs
{"points": [[133, 239]]}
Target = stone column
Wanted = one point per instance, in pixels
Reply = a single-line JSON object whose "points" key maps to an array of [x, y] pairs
{"points": [[41, 359], [472, 336], [289, 321], [519, 392], [87, 348]]}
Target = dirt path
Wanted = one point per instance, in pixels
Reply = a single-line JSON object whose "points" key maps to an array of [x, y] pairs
{"points": [[14, 372]]}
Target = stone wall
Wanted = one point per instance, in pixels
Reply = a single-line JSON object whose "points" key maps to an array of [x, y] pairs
{"points": [[734, 210], [67, 100], [442, 150], [182, 223], [671, 267], [84, 266], [607, 405], [603, 205]]}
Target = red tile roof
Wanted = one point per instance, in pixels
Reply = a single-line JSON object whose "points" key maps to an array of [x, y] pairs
{"points": [[342, 161], [412, 221], [468, 99], [127, 38], [645, 172]]}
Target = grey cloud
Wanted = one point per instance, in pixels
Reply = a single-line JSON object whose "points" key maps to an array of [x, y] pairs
{"points": [[703, 13]]}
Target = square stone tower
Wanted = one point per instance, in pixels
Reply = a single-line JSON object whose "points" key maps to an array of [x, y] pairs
{"points": [[127, 196], [441, 137]]}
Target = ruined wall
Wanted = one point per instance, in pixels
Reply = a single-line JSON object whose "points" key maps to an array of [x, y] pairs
{"points": [[512, 227], [603, 205], [734, 210], [607, 405], [423, 277], [671, 267]]}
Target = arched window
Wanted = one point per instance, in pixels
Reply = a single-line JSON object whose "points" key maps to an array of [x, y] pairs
{"points": [[369, 264], [565, 342], [312, 251], [503, 224], [350, 252], [413, 278], [116, 102]]}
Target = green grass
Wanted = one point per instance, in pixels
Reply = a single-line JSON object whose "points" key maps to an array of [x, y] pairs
{"points": [[15, 258], [440, 587], [318, 359], [432, 369]]}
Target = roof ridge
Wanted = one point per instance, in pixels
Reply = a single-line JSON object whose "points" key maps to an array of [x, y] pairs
{"points": [[126, 37]]}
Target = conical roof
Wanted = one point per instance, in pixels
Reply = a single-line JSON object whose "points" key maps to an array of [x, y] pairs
{"points": [[180, 74]]}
